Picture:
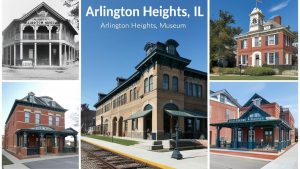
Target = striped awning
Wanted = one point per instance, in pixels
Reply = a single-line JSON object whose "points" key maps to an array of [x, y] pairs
{"points": [[185, 113], [139, 114]]}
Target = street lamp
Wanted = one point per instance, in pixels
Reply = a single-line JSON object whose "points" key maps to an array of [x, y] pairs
{"points": [[240, 69], [176, 154]]}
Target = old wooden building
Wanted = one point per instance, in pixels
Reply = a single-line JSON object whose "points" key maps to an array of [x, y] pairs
{"points": [[41, 37]]}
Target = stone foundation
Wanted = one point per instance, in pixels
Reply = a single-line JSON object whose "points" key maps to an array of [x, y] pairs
{"points": [[55, 150], [23, 152], [42, 150]]}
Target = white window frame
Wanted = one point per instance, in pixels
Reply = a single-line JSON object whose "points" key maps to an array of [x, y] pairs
{"points": [[273, 36], [57, 121], [269, 58], [39, 118], [258, 42], [25, 117], [245, 44], [287, 58], [244, 60], [50, 117]]}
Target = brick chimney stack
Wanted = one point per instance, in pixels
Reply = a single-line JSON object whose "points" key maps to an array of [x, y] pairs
{"points": [[277, 19]]}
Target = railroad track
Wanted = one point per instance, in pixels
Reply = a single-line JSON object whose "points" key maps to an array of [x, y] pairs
{"points": [[95, 157]]}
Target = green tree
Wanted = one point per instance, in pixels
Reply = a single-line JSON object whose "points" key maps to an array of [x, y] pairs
{"points": [[74, 12], [222, 42]]}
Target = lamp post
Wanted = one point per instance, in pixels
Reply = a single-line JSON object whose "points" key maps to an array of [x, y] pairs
{"points": [[176, 154], [240, 69]]}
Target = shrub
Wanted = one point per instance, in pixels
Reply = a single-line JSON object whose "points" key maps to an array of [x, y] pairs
{"points": [[230, 70], [259, 71], [215, 70]]}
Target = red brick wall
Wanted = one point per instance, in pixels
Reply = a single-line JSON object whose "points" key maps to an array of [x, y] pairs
{"points": [[217, 115], [16, 122], [281, 48]]}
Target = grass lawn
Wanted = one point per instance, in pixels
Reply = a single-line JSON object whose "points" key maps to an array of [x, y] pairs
{"points": [[252, 78], [6, 161], [114, 140]]}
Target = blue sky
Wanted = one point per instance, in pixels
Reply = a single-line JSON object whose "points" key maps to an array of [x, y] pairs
{"points": [[62, 93], [287, 9], [284, 93], [107, 54]]}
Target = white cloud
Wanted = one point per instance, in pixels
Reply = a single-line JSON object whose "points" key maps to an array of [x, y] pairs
{"points": [[279, 6]]}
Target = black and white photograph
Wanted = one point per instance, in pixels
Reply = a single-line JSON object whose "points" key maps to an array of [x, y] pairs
{"points": [[40, 40]]}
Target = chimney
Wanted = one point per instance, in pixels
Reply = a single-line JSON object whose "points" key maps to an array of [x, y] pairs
{"points": [[277, 19], [120, 80], [101, 96]]}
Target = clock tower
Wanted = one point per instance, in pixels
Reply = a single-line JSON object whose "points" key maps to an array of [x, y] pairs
{"points": [[256, 20]]}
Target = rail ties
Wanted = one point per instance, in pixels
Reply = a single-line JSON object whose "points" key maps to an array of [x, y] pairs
{"points": [[93, 157]]}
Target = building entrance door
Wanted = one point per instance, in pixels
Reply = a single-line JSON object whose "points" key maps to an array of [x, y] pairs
{"points": [[49, 144], [268, 137]]}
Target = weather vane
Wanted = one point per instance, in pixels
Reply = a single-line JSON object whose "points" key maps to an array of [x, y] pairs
{"points": [[258, 1]]}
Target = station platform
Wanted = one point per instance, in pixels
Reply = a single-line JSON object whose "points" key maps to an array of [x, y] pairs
{"points": [[192, 159], [267, 156]]}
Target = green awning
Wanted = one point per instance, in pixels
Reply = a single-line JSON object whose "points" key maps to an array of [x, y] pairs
{"points": [[139, 114], [185, 113]]}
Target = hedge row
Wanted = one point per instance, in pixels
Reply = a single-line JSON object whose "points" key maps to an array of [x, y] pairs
{"points": [[252, 71], [259, 71]]}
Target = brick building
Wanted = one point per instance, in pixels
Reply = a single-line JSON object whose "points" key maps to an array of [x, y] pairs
{"points": [[161, 93], [222, 108], [266, 43], [41, 37], [262, 126], [36, 126]]}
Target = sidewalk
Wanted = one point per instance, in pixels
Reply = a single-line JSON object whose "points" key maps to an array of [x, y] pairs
{"points": [[18, 163], [196, 159], [288, 160], [254, 155]]}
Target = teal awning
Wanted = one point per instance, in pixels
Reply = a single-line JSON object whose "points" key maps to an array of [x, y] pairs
{"points": [[139, 114], [185, 113]]}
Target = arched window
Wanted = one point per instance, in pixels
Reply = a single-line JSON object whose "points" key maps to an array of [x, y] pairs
{"points": [[150, 83], [170, 106], [166, 82], [146, 85], [148, 107], [175, 84]]}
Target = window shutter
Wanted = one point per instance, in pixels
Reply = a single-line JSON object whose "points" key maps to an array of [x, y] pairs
{"points": [[276, 39], [276, 58], [246, 59], [266, 58], [266, 41]]}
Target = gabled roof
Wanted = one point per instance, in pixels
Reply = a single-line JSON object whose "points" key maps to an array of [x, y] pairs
{"points": [[249, 102], [227, 94], [254, 109], [43, 4], [51, 10]]}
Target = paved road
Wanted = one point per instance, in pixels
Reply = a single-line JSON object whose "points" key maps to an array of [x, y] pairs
{"points": [[61, 163], [228, 162]]}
